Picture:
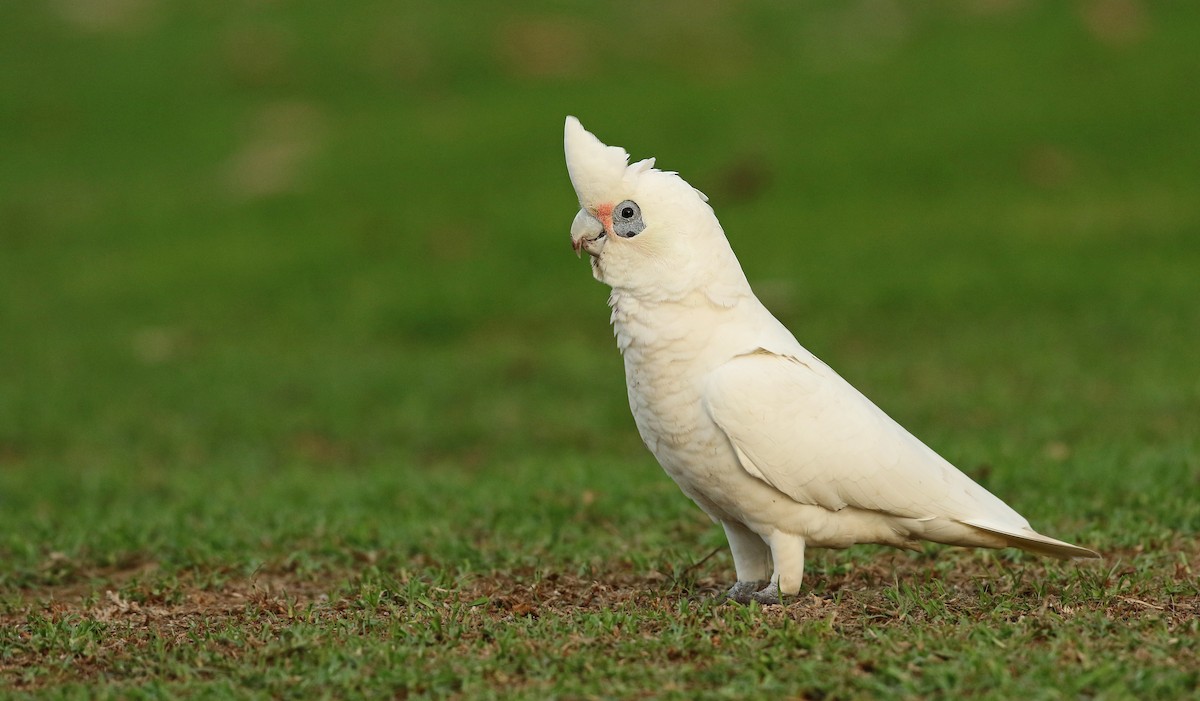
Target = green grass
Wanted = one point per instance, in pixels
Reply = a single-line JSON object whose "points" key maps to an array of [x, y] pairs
{"points": [[303, 395]]}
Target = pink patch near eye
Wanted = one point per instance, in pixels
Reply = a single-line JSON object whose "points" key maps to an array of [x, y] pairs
{"points": [[604, 214]]}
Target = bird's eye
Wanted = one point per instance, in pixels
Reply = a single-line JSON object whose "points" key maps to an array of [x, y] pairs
{"points": [[628, 222]]}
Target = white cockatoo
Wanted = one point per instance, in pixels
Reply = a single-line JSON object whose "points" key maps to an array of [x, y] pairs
{"points": [[767, 439]]}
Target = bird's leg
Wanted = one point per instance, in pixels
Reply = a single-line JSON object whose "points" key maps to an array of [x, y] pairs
{"points": [[788, 553], [751, 560]]}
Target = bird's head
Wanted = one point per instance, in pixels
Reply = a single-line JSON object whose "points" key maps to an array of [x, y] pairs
{"points": [[647, 231]]}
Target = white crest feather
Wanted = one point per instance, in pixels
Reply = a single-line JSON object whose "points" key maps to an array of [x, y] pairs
{"points": [[596, 169], [642, 166]]}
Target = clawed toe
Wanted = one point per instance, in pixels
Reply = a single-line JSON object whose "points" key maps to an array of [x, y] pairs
{"points": [[742, 592], [745, 592], [768, 596]]}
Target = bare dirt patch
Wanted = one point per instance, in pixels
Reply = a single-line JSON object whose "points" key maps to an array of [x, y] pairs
{"points": [[858, 596]]}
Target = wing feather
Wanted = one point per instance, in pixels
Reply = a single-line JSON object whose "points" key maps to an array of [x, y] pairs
{"points": [[798, 426]]}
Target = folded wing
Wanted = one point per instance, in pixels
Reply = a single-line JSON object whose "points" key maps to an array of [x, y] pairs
{"points": [[798, 426]]}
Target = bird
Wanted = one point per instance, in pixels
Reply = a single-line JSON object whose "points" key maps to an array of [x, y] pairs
{"points": [[764, 437]]}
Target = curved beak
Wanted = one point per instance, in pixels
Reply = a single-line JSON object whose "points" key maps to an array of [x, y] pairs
{"points": [[587, 234]]}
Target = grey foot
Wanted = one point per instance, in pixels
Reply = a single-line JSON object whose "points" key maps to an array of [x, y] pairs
{"points": [[742, 592], [768, 596]]}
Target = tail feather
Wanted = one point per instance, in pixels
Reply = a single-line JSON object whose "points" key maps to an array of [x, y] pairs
{"points": [[1032, 541]]}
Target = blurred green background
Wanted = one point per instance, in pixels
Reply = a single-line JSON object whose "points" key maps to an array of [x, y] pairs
{"points": [[243, 243]]}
